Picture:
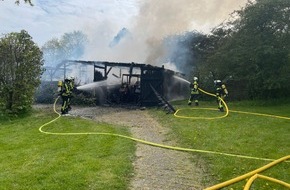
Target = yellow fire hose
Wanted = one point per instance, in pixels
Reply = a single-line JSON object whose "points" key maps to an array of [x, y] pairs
{"points": [[254, 172], [185, 149], [219, 117], [146, 142], [251, 180]]}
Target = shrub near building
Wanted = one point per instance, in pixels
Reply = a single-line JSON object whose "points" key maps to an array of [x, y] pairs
{"points": [[20, 70]]}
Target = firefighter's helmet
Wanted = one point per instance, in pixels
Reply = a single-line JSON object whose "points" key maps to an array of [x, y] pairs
{"points": [[72, 78], [216, 82], [195, 78]]}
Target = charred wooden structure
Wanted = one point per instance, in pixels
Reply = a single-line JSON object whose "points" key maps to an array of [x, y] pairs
{"points": [[143, 84]]}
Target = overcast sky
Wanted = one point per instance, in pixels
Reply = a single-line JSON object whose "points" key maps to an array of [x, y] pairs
{"points": [[147, 20]]}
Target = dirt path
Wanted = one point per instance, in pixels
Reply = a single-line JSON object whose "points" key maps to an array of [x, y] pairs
{"points": [[155, 168]]}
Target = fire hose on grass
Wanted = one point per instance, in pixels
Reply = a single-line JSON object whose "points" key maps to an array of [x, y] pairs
{"points": [[218, 186], [143, 141], [219, 117], [253, 175]]}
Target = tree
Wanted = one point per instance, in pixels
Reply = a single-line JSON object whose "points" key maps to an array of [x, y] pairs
{"points": [[25, 1], [53, 54], [69, 46], [265, 41], [20, 70], [255, 48], [73, 44]]}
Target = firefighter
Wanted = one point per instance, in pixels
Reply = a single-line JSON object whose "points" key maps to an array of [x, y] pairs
{"points": [[221, 93], [64, 92], [194, 92], [71, 82]]}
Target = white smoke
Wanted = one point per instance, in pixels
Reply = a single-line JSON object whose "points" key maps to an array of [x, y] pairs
{"points": [[155, 21]]}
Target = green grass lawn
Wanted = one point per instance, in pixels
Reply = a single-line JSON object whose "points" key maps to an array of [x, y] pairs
{"points": [[242, 134], [33, 160]]}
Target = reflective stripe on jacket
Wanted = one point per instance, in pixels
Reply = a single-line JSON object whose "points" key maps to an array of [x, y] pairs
{"points": [[194, 88], [65, 89]]}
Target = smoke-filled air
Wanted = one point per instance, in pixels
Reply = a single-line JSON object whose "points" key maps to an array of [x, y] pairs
{"points": [[142, 40]]}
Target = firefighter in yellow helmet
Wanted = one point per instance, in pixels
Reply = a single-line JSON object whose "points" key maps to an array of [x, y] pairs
{"points": [[64, 92], [194, 92], [71, 82], [221, 93]]}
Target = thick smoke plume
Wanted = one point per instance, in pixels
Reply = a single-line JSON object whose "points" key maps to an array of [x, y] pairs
{"points": [[155, 21], [160, 19]]}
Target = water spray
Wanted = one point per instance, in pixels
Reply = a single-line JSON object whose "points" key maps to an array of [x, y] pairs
{"points": [[181, 79], [99, 84]]}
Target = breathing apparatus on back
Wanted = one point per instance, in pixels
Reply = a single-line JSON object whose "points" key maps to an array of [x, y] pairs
{"points": [[59, 86]]}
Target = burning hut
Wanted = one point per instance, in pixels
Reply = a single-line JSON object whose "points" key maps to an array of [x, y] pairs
{"points": [[140, 84]]}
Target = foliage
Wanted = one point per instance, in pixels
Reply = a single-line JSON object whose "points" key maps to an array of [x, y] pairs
{"points": [[250, 50], [25, 1], [69, 46], [17, 2], [73, 44], [46, 92], [257, 51], [20, 70]]}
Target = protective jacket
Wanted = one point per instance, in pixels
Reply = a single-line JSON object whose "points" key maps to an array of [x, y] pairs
{"points": [[221, 90], [221, 93], [65, 89], [71, 85], [194, 88], [194, 93]]}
